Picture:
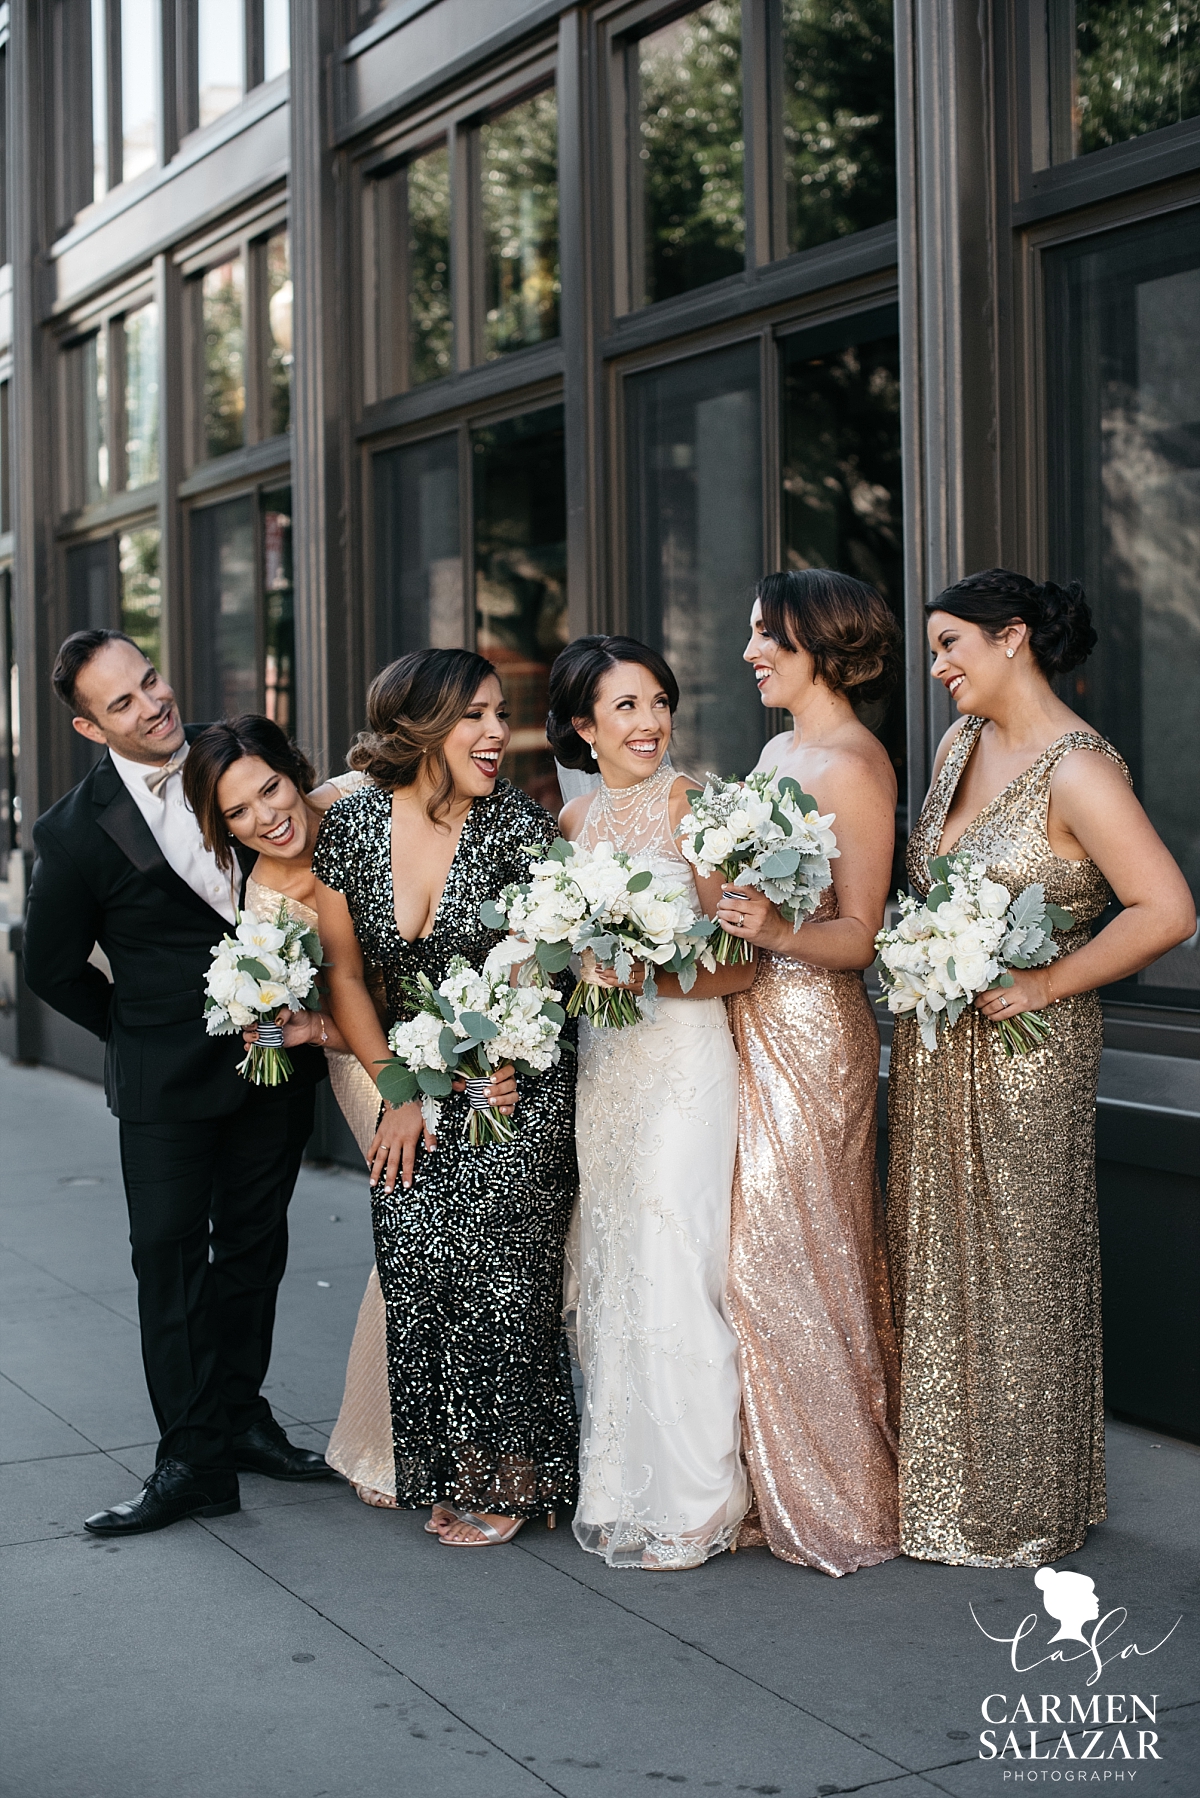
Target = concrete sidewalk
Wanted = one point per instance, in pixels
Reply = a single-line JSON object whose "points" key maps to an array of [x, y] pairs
{"points": [[308, 1647]]}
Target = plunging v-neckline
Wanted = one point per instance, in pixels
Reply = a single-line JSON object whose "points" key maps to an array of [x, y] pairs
{"points": [[408, 941], [996, 797]]}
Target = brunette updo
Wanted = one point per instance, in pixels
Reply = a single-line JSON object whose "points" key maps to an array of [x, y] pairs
{"points": [[412, 706], [1059, 619], [215, 751], [575, 681], [845, 626]]}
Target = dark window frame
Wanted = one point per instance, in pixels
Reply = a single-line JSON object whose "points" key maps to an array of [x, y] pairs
{"points": [[253, 487], [253, 46], [107, 319]]}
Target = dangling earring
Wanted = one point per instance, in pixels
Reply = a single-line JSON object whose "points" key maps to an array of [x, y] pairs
{"points": [[592, 747]]}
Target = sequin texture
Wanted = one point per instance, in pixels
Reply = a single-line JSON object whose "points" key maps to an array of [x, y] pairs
{"points": [[809, 1292], [470, 1257], [993, 1229]]}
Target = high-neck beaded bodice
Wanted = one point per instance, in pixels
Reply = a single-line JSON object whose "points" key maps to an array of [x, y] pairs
{"points": [[637, 820]]}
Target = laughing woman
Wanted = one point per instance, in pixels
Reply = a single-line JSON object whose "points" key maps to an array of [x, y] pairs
{"points": [[468, 1241]]}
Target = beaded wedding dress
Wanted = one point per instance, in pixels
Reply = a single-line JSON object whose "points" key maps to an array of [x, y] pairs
{"points": [[662, 1483]]}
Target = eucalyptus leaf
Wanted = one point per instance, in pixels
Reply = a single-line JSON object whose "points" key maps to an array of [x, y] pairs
{"points": [[938, 895], [481, 1028], [781, 863], [396, 1083], [448, 1046], [637, 883], [445, 1007], [492, 915], [552, 958], [434, 1082], [1060, 917], [248, 965], [554, 1012]]}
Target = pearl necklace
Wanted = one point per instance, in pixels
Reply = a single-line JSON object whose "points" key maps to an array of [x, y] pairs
{"points": [[624, 812]]}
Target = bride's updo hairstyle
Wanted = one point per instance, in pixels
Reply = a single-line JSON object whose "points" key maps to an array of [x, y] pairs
{"points": [[215, 751], [575, 681], [412, 706], [844, 625], [1059, 619]]}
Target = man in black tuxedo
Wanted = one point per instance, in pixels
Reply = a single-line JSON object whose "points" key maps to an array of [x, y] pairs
{"points": [[209, 1161]]}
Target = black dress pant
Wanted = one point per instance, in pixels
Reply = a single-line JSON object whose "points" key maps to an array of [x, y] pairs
{"points": [[208, 1206]]}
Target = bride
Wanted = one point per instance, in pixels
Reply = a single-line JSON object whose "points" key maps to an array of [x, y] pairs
{"points": [[662, 1483]]}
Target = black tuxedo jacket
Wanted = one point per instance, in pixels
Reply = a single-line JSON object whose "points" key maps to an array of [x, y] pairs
{"points": [[100, 877]]}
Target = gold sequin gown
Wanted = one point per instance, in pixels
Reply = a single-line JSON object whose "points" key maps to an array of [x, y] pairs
{"points": [[992, 1222], [809, 1294]]}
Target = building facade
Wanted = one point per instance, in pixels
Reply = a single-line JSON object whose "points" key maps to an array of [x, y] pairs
{"points": [[333, 331]]}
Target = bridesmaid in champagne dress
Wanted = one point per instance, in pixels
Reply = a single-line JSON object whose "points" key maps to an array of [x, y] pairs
{"points": [[245, 781], [991, 1188], [808, 1280]]}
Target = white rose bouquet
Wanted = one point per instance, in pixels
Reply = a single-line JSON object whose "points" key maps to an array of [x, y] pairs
{"points": [[464, 1028], [961, 942], [611, 904], [765, 833], [262, 968]]}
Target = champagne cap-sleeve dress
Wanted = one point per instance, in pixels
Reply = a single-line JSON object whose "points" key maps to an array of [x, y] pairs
{"points": [[993, 1228]]}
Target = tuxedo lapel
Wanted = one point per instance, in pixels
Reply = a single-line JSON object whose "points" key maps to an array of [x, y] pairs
{"points": [[122, 822]]}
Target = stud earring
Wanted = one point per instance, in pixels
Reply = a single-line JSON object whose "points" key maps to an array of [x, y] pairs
{"points": [[592, 747], [1010, 653]]}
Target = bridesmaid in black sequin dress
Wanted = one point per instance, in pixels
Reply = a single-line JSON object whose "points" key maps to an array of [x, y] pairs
{"points": [[468, 1242]]}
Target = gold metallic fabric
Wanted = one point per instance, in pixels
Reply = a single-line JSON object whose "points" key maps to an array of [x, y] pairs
{"points": [[809, 1294], [993, 1229]]}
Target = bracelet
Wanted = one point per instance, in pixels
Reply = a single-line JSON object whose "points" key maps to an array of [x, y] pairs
{"points": [[324, 1032], [1050, 1000]]}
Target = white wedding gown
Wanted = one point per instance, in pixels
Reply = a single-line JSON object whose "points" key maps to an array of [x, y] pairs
{"points": [[662, 1482]]}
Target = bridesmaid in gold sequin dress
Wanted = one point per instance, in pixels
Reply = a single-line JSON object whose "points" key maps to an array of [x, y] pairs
{"points": [[809, 1293], [991, 1187]]}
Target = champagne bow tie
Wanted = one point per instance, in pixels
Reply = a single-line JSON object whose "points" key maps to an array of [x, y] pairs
{"points": [[158, 778]]}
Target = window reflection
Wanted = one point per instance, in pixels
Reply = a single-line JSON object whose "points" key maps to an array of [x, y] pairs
{"points": [[1121, 68], [92, 366], [1125, 454], [220, 57], [694, 455], [518, 157], [139, 86], [520, 515], [842, 503], [99, 98], [427, 180], [141, 396], [277, 48], [141, 589], [279, 332], [225, 635], [223, 329], [687, 158], [839, 118], [279, 629], [418, 555]]}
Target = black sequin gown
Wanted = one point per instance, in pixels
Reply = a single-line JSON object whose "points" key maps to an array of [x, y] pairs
{"points": [[470, 1258]]}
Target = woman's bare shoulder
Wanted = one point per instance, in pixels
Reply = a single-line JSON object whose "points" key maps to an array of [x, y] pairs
{"points": [[943, 748], [570, 819]]}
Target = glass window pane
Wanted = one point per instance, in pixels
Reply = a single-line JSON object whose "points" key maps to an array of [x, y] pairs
{"points": [[99, 98], [688, 155], [429, 327], [221, 57], [225, 632], [279, 628], [1125, 456], [839, 118], [694, 454], [520, 508], [90, 369], [279, 322], [277, 47], [141, 396], [518, 171], [222, 295], [841, 497], [91, 605], [1121, 68], [141, 589], [139, 86], [418, 555]]}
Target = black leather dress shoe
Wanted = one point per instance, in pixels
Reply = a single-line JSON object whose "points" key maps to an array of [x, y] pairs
{"points": [[173, 1491], [265, 1449]]}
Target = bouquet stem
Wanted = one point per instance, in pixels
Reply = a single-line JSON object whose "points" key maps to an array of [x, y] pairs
{"points": [[731, 951], [485, 1124], [265, 1066], [1023, 1033], [605, 1007]]}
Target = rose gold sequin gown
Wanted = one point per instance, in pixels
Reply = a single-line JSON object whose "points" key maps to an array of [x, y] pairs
{"points": [[361, 1444], [992, 1220], [809, 1294]]}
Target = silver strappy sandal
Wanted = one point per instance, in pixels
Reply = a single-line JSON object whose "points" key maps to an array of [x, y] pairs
{"points": [[492, 1537]]}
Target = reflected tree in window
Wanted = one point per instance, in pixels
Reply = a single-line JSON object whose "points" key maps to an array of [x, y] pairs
{"points": [[222, 308], [839, 118], [1137, 68], [279, 629], [141, 396], [429, 323], [279, 334], [141, 589], [689, 153], [520, 509], [518, 171]]}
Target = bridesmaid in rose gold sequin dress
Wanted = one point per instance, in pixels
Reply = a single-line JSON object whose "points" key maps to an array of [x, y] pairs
{"points": [[809, 1293]]}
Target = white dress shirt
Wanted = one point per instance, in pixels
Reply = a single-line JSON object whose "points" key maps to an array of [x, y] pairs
{"points": [[174, 828]]}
